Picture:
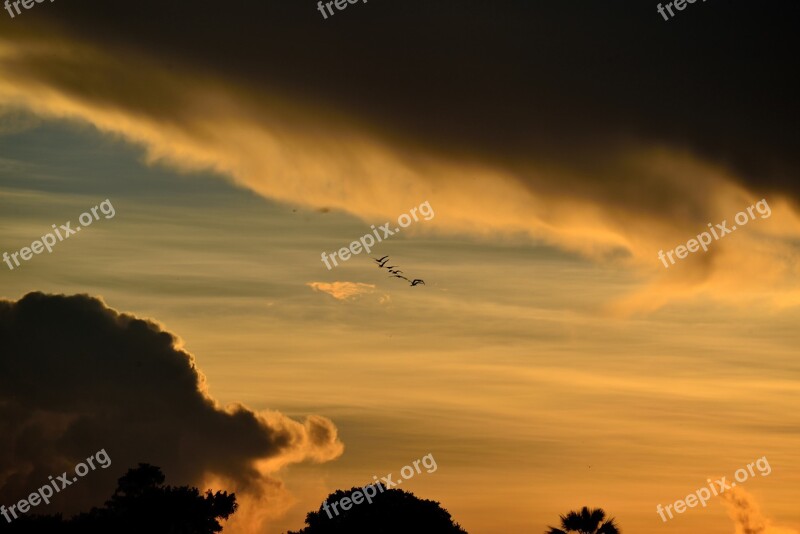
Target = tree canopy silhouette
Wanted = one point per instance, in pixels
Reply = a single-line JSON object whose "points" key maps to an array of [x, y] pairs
{"points": [[392, 511], [586, 522], [141, 503]]}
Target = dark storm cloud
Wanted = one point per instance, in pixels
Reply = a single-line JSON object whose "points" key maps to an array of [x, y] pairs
{"points": [[502, 80], [76, 376], [596, 128]]}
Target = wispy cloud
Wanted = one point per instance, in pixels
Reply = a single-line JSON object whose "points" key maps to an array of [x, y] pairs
{"points": [[746, 514], [343, 290], [623, 205]]}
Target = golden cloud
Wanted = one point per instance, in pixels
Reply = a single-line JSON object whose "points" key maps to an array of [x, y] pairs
{"points": [[636, 200], [746, 514], [342, 290]]}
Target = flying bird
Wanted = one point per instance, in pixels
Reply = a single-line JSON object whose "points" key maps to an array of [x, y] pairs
{"points": [[395, 272]]}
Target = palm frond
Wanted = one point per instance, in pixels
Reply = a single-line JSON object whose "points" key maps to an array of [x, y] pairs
{"points": [[609, 527]]}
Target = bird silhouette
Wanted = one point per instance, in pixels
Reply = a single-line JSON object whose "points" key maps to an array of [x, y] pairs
{"points": [[395, 272]]}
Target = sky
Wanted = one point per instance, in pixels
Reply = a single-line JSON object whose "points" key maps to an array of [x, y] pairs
{"points": [[552, 359]]}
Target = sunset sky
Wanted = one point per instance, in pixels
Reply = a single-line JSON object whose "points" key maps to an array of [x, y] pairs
{"points": [[549, 362]]}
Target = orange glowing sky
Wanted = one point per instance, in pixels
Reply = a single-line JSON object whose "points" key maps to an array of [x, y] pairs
{"points": [[549, 362]]}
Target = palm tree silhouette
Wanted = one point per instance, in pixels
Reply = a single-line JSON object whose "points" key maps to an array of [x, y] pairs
{"points": [[586, 522]]}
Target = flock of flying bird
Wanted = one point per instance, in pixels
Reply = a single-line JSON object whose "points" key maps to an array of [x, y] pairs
{"points": [[396, 273]]}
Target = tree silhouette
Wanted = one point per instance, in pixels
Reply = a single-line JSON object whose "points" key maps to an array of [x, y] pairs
{"points": [[392, 511], [140, 504], [586, 522]]}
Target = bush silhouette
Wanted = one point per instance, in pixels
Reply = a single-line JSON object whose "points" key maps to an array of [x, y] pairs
{"points": [[586, 522], [392, 512], [140, 504]]}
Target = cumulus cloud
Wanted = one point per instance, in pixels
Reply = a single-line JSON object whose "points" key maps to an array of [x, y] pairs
{"points": [[746, 514], [77, 376], [343, 290]]}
